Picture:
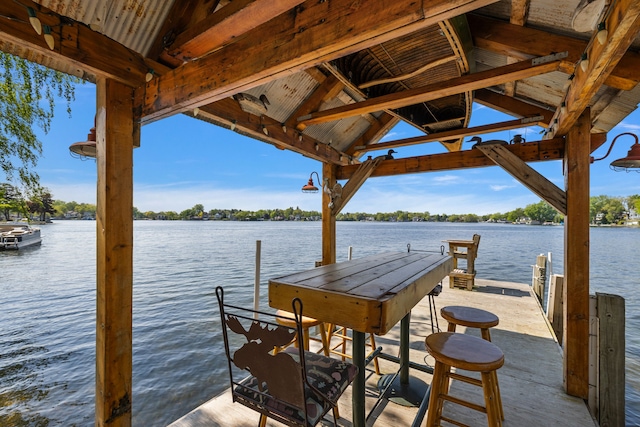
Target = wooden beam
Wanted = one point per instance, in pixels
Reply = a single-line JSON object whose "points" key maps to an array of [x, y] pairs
{"points": [[499, 75], [181, 16], [355, 182], [328, 218], [116, 137], [227, 113], [541, 151], [526, 175], [318, 31], [623, 25], [454, 134], [75, 43], [226, 25], [523, 42], [512, 106], [384, 123], [576, 259], [328, 89], [519, 12]]}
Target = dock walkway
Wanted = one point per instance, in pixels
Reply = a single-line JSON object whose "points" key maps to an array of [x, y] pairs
{"points": [[530, 380]]}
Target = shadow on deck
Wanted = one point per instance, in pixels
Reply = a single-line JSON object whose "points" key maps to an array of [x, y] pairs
{"points": [[530, 380]]}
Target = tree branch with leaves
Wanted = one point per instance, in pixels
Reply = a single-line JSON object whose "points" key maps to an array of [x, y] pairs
{"points": [[27, 99]]}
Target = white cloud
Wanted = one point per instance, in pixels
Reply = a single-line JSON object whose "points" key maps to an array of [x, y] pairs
{"points": [[500, 187]]}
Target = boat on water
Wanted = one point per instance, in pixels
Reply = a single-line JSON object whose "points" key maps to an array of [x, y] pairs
{"points": [[18, 236]]}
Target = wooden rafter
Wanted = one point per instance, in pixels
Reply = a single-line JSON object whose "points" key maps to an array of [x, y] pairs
{"points": [[328, 89], [526, 175], [227, 113], [519, 12], [454, 134], [361, 174], [317, 32], [547, 150], [373, 134], [511, 106], [226, 25], [499, 75], [623, 25], [523, 42], [74, 43], [181, 16]]}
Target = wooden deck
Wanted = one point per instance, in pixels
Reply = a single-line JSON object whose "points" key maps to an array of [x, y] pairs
{"points": [[530, 380]]}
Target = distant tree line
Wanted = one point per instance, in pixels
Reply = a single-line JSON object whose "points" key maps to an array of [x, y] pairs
{"points": [[39, 204]]}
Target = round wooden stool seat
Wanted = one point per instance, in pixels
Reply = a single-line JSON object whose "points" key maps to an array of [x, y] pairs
{"points": [[286, 318], [464, 351], [469, 316]]}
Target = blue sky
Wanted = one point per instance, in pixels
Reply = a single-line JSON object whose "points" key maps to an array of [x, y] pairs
{"points": [[183, 161]]}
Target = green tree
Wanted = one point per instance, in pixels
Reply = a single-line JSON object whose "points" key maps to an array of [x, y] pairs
{"points": [[27, 95], [11, 200], [41, 202], [540, 211]]}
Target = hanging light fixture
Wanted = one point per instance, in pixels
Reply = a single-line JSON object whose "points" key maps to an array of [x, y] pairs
{"points": [[310, 187], [85, 149], [629, 163]]}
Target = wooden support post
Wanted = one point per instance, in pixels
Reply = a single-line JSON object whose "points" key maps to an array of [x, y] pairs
{"points": [[116, 135], [611, 349], [576, 259], [540, 277], [328, 218], [554, 305]]}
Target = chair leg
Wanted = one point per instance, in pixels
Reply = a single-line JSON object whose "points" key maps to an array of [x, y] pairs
{"points": [[325, 339], [375, 359], [493, 413], [434, 413], [263, 421]]}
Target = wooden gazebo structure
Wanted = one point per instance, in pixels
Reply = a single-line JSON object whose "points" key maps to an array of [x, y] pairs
{"points": [[328, 79]]}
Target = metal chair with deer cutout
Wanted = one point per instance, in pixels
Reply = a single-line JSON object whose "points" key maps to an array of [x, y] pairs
{"points": [[294, 387]]}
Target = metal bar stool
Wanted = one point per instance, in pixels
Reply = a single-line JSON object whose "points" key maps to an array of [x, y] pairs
{"points": [[460, 351], [473, 318]]}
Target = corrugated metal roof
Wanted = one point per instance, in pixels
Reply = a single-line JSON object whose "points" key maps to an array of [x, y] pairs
{"points": [[133, 23]]}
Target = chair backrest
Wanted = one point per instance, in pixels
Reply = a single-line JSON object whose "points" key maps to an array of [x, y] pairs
{"points": [[272, 384], [476, 243]]}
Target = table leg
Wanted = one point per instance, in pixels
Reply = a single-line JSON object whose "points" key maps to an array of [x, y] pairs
{"points": [[401, 389], [357, 387]]}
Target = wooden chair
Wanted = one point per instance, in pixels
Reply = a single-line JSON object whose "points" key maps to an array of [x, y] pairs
{"points": [[461, 351], [467, 250], [294, 387]]}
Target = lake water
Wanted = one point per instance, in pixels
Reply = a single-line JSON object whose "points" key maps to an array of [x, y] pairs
{"points": [[47, 300]]}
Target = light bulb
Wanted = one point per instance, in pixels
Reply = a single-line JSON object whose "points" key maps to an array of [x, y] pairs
{"points": [[265, 130], [584, 62], [233, 125], [603, 34], [284, 128], [196, 111], [48, 37], [35, 22], [149, 76]]}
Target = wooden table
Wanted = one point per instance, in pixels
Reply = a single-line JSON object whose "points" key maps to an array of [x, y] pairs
{"points": [[368, 295]]}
